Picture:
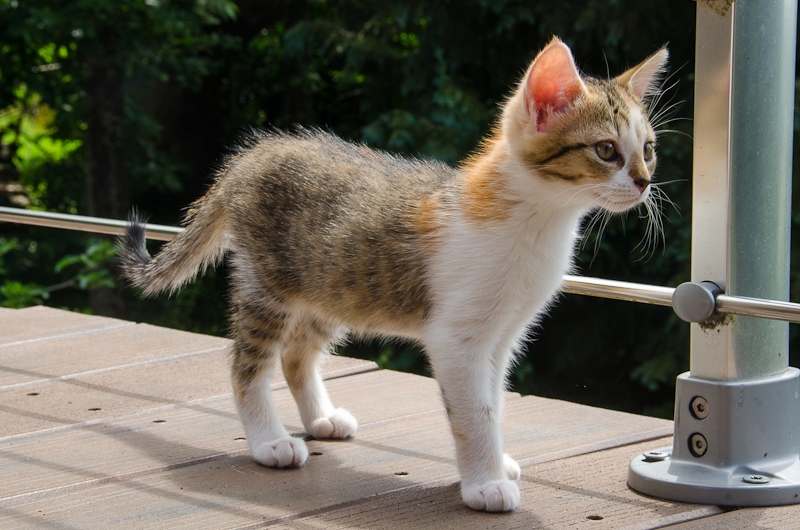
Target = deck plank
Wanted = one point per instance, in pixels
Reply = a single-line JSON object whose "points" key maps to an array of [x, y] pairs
{"points": [[539, 429], [587, 491], [403, 442], [40, 322], [166, 448], [106, 394], [775, 518], [210, 427], [169, 437], [106, 371], [95, 350]]}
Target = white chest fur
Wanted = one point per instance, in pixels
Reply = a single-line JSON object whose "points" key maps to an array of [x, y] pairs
{"points": [[490, 281]]}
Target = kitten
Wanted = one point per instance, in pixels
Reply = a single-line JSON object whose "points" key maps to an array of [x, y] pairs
{"points": [[327, 236]]}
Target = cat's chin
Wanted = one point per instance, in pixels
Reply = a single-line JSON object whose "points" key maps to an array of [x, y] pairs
{"points": [[620, 206]]}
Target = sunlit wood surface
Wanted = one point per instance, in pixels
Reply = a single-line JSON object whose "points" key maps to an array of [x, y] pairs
{"points": [[110, 424]]}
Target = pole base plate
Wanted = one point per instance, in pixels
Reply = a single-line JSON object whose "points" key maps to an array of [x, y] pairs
{"points": [[700, 484]]}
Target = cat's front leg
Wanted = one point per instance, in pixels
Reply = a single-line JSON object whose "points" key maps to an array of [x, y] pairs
{"points": [[470, 380]]}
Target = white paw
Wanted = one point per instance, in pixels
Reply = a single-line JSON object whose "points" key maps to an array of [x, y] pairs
{"points": [[283, 452], [512, 468], [340, 424], [492, 496]]}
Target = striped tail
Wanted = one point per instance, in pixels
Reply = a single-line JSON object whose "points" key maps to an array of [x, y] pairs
{"points": [[199, 246]]}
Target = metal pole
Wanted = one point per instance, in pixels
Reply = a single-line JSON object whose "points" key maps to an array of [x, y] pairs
{"points": [[761, 181], [737, 412]]}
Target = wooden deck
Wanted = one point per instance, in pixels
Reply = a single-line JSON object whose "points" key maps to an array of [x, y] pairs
{"points": [[109, 424]]}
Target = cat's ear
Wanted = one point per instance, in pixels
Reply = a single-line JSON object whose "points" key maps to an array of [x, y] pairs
{"points": [[644, 79], [552, 84]]}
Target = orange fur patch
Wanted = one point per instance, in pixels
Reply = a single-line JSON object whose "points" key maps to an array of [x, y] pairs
{"points": [[427, 221], [483, 200]]}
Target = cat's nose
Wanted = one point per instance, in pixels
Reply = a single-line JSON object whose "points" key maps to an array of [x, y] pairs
{"points": [[641, 183]]}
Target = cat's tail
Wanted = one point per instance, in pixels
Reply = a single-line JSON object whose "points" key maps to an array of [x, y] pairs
{"points": [[199, 246]]}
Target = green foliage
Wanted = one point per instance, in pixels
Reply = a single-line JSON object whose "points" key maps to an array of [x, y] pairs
{"points": [[13, 293], [5, 248], [28, 122], [16, 295], [84, 271], [387, 354], [44, 164], [89, 267]]}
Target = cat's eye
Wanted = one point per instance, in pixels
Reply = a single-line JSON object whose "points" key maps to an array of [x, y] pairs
{"points": [[649, 150], [606, 151]]}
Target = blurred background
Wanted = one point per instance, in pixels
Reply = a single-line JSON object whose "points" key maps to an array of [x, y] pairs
{"points": [[105, 104]]}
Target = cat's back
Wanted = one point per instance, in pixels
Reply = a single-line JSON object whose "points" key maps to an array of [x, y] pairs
{"points": [[315, 170]]}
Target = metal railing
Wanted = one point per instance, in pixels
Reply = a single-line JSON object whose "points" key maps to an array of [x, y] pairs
{"points": [[82, 223], [597, 287]]}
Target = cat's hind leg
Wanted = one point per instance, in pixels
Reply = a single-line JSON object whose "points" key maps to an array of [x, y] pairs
{"points": [[259, 332], [306, 345]]}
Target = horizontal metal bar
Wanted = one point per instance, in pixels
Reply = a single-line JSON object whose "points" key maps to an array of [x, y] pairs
{"points": [[598, 287], [632, 292], [758, 307], [651, 294], [82, 223]]}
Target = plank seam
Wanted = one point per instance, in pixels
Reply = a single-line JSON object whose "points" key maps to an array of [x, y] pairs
{"points": [[122, 324], [86, 373], [678, 518], [581, 450], [21, 498]]}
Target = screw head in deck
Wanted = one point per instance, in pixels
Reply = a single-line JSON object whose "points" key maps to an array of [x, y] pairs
{"points": [[655, 456], [756, 479]]}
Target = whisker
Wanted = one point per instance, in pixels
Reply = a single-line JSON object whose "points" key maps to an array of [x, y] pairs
{"points": [[655, 101], [654, 230], [576, 193], [659, 133], [659, 124], [664, 111], [657, 184], [601, 216], [605, 219], [662, 196], [589, 229]]}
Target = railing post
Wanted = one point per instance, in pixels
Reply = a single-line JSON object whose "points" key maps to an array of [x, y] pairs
{"points": [[737, 411]]}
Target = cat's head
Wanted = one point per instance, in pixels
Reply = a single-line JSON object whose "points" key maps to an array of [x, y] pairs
{"points": [[590, 137]]}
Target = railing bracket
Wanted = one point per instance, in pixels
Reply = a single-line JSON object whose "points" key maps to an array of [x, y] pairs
{"points": [[695, 301]]}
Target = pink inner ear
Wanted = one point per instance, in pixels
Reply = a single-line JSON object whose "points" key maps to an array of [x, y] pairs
{"points": [[553, 84]]}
